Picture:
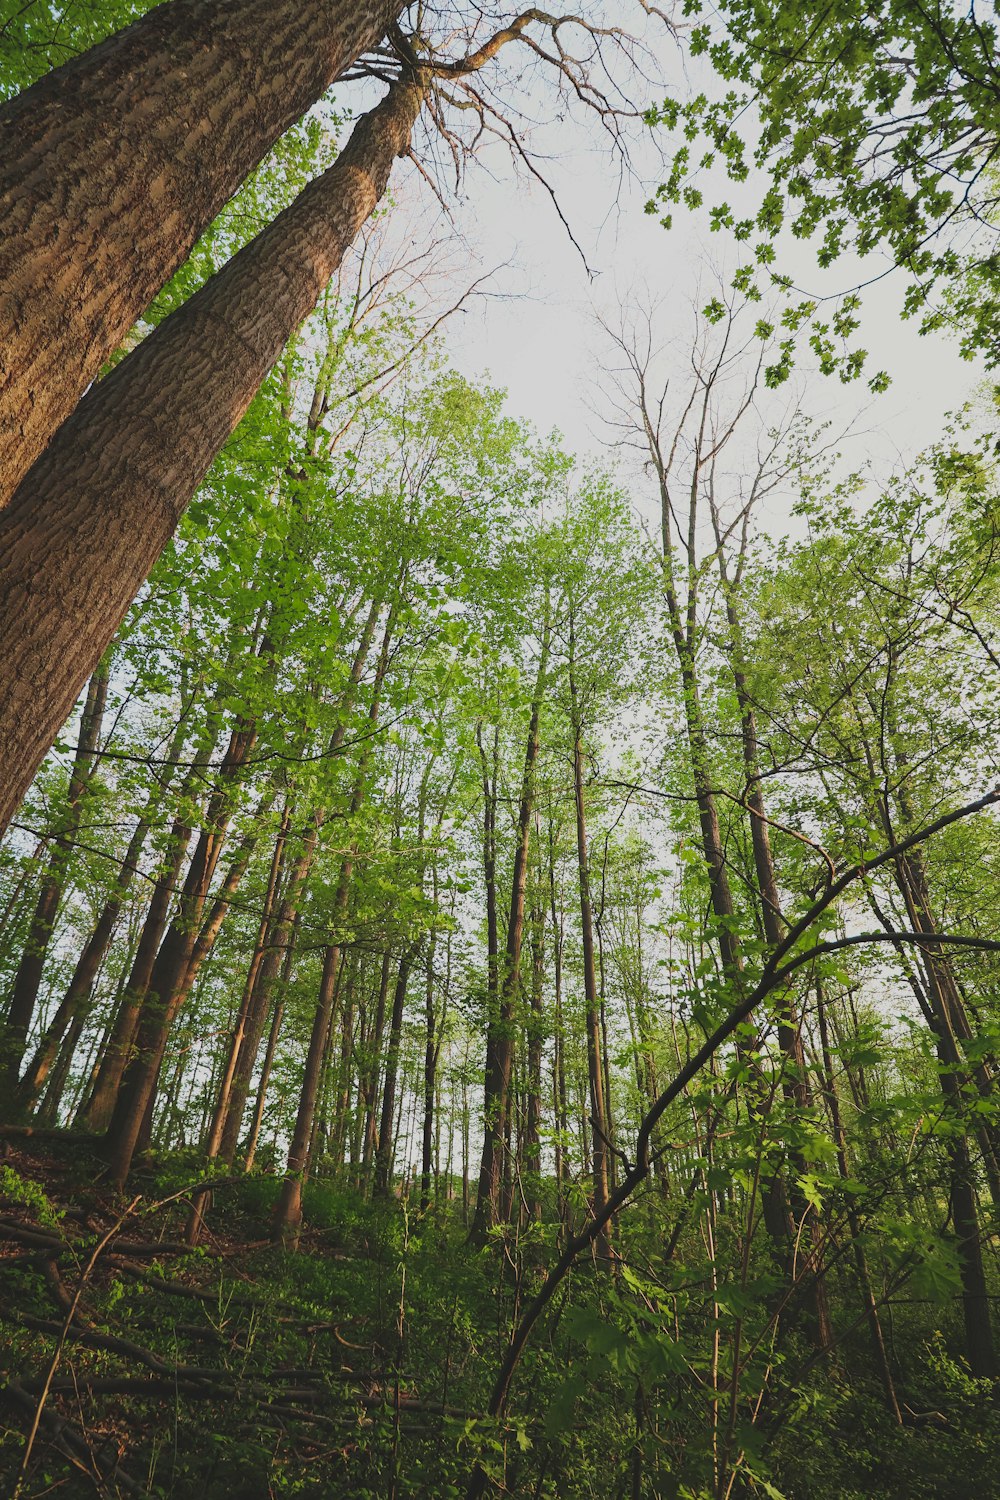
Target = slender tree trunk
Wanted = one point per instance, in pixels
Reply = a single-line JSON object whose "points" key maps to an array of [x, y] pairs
{"points": [[431, 1046], [76, 1000], [341, 1109], [374, 1053], [595, 1069], [225, 1086], [500, 1045], [795, 1082], [486, 1206], [27, 980], [167, 986], [872, 1318], [288, 1212], [94, 513], [95, 1115], [386, 1136], [118, 160], [536, 1032], [560, 1106], [269, 1051]]}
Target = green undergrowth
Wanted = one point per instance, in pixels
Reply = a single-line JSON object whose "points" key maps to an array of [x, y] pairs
{"points": [[360, 1364]]}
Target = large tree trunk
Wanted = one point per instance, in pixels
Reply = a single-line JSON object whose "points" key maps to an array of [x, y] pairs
{"points": [[117, 161], [92, 516]]}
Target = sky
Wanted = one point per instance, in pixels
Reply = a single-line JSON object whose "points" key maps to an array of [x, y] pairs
{"points": [[536, 331]]}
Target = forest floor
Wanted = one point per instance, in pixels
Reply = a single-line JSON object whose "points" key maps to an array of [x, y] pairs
{"points": [[134, 1364], [233, 1368]]}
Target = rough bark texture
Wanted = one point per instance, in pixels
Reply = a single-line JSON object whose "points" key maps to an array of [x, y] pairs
{"points": [[92, 516], [116, 162]]}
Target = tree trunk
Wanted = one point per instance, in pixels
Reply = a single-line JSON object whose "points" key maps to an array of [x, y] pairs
{"points": [[536, 1031], [269, 1051], [95, 1114], [24, 994], [115, 164], [500, 1046], [560, 1105], [92, 516], [167, 986], [374, 1052], [225, 1085], [431, 1045], [872, 1318], [76, 1000], [288, 1211], [386, 1136], [595, 1068], [795, 1081]]}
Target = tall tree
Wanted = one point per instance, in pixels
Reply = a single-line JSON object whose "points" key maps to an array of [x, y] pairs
{"points": [[115, 163], [81, 534]]}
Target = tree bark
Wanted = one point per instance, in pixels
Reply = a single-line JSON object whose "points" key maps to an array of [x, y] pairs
{"points": [[371, 1071], [95, 1114], [76, 1000], [432, 1044], [536, 1032], [28, 978], [269, 1051], [386, 1136], [595, 1064], [500, 1036], [91, 517], [225, 1087], [167, 988], [118, 160]]}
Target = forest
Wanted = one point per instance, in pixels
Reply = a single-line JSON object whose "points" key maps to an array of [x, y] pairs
{"points": [[500, 940]]}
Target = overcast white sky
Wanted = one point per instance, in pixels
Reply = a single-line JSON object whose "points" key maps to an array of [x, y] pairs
{"points": [[540, 340]]}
